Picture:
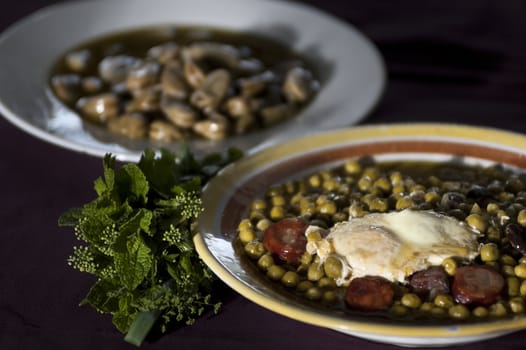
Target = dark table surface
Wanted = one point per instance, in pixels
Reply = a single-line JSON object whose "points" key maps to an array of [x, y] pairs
{"points": [[447, 61]]}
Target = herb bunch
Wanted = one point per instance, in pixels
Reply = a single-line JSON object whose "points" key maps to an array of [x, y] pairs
{"points": [[136, 238]]}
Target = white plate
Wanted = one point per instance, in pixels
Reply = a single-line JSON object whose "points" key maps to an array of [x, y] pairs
{"points": [[352, 71], [228, 195]]}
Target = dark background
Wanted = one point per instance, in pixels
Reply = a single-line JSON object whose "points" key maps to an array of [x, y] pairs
{"points": [[447, 61]]}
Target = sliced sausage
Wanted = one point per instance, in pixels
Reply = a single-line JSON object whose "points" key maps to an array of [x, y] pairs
{"points": [[369, 293], [286, 240], [430, 282], [516, 236], [477, 285]]}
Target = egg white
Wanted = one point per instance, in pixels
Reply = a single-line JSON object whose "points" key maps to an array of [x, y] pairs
{"points": [[394, 245]]}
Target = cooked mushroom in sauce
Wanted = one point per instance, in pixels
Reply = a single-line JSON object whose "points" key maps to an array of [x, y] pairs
{"points": [[170, 84]]}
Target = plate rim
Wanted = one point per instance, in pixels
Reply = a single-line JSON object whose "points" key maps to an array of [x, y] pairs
{"points": [[99, 149]]}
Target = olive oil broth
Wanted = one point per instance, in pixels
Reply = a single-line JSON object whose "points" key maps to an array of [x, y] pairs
{"points": [[137, 42]]}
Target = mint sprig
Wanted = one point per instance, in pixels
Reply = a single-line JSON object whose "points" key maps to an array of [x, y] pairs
{"points": [[136, 238]]}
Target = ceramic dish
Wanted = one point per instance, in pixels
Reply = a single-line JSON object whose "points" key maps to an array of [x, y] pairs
{"points": [[351, 69], [235, 187]]}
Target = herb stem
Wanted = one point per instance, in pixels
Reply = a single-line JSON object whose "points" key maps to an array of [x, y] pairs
{"points": [[141, 326]]}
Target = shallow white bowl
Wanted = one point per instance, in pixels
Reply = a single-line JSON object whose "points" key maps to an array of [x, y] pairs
{"points": [[351, 70], [227, 198]]}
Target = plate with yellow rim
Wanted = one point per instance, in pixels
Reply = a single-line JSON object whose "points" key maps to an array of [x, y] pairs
{"points": [[227, 197], [349, 67]]}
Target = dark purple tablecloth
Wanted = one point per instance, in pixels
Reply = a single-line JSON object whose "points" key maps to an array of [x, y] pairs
{"points": [[447, 61]]}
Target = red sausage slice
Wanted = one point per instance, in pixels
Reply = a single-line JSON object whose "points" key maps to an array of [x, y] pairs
{"points": [[430, 282], [369, 293], [478, 285], [286, 240]]}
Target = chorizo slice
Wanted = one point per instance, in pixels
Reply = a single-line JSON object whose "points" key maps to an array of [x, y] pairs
{"points": [[477, 285], [286, 240], [369, 293], [430, 282]]}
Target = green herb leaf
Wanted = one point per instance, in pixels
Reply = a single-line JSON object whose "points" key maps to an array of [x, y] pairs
{"points": [[134, 264], [137, 239]]}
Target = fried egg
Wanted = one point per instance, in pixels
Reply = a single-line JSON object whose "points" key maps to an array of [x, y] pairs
{"points": [[394, 245]]}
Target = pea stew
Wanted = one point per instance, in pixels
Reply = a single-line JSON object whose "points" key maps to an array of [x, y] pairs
{"points": [[490, 200]]}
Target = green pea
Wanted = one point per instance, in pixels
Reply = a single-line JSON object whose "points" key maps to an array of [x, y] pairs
{"points": [[396, 178], [426, 306], [383, 184], [520, 270], [290, 279], [340, 216], [306, 258], [330, 185], [507, 260], [493, 234], [443, 301], [263, 224], [450, 266], [258, 204], [322, 198], [246, 235], [398, 310], [522, 288], [333, 267], [254, 249], [244, 225], [480, 311], [398, 190], [411, 300], [513, 286], [308, 210], [357, 210], [492, 208], [517, 305], [489, 252], [475, 209], [278, 201], [521, 217], [477, 222], [314, 180], [265, 261], [277, 213], [315, 272], [352, 167], [458, 312], [498, 310], [379, 204], [508, 270], [303, 286], [256, 215], [329, 297], [313, 293], [404, 203], [365, 183], [329, 208], [296, 199], [275, 272], [274, 191], [431, 197], [371, 172], [326, 282], [291, 187]]}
